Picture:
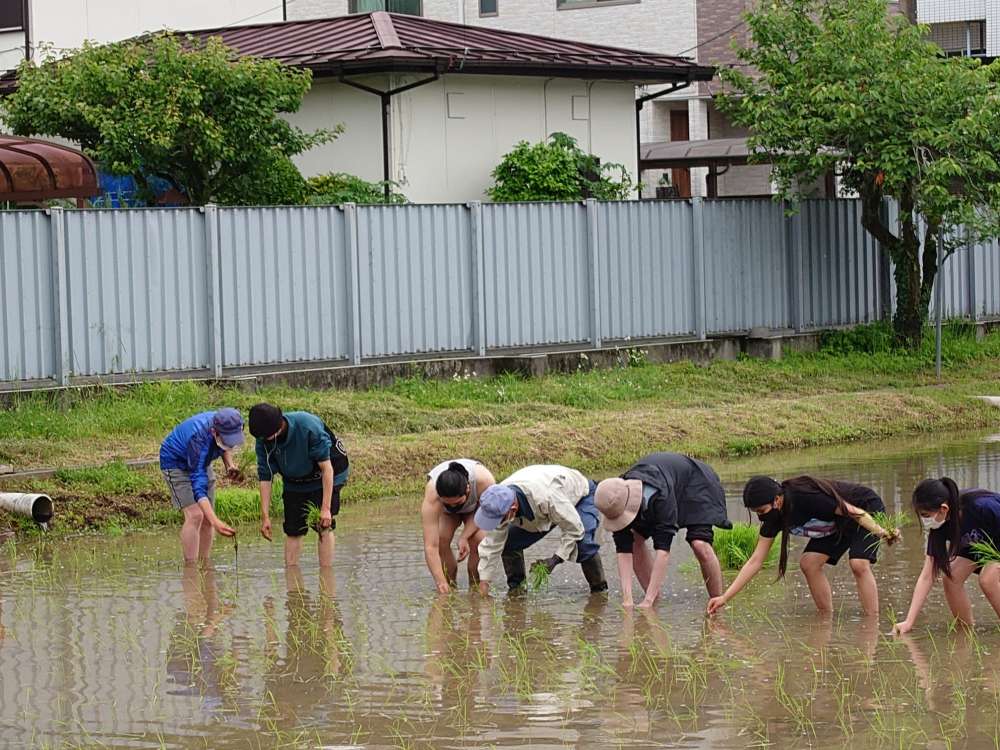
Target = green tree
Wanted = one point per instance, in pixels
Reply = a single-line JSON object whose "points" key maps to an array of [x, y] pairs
{"points": [[557, 170], [190, 112], [339, 187], [840, 85]]}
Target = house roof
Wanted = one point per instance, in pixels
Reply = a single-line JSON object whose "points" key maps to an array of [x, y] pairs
{"points": [[711, 153], [391, 42], [34, 170]]}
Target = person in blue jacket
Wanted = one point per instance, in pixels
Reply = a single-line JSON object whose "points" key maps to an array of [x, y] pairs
{"points": [[955, 521], [186, 457], [313, 466]]}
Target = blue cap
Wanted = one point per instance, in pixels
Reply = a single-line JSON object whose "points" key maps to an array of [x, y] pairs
{"points": [[228, 422], [494, 504]]}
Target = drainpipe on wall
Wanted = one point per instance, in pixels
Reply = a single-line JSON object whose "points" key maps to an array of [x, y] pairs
{"points": [[385, 99]]}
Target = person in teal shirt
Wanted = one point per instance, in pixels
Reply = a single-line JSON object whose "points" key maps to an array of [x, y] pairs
{"points": [[313, 466]]}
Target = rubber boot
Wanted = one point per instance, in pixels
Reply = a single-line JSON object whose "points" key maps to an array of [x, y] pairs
{"points": [[513, 566], [593, 571]]}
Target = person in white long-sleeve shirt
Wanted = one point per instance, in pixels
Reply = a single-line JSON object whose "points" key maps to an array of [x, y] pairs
{"points": [[526, 506]]}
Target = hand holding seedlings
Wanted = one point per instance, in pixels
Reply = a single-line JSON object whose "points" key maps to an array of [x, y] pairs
{"points": [[463, 549], [265, 528], [233, 473]]}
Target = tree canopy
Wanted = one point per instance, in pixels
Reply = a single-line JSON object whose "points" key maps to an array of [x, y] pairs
{"points": [[190, 112], [839, 85]]}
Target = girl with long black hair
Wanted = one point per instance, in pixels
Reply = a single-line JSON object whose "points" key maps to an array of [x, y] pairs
{"points": [[955, 521], [833, 515]]}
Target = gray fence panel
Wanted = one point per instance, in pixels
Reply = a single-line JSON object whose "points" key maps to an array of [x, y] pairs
{"points": [[537, 276], [987, 279], [27, 289], [416, 279], [746, 265], [284, 281], [646, 265], [136, 291], [840, 264]]}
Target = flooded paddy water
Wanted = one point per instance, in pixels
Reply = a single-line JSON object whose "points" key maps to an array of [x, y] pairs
{"points": [[109, 642]]}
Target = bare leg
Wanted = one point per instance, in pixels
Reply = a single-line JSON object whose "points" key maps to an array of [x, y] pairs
{"points": [[641, 563], [989, 582], [446, 533], [954, 590], [812, 564], [326, 544], [711, 570], [293, 548], [205, 538], [473, 564], [191, 533], [867, 588]]}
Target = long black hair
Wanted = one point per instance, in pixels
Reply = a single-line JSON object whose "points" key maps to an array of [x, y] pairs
{"points": [[943, 542], [453, 481], [763, 491]]}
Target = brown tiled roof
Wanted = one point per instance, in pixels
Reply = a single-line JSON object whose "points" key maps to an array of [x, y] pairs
{"points": [[388, 42]]}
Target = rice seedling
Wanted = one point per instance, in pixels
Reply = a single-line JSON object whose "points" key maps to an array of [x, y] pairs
{"points": [[891, 521], [735, 546], [985, 551], [312, 519], [538, 576]]}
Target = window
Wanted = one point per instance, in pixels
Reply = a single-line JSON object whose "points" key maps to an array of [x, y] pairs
{"points": [[410, 7], [960, 38], [573, 4], [11, 14], [488, 8]]}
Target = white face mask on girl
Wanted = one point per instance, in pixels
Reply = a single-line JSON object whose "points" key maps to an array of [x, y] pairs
{"points": [[932, 523]]}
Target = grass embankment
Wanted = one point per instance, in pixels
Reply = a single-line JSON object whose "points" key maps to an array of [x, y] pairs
{"points": [[855, 388]]}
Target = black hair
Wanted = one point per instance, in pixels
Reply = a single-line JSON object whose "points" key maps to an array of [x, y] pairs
{"points": [[943, 542], [763, 491], [265, 420], [453, 481]]}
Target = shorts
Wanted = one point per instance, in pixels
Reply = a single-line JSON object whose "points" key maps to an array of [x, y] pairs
{"points": [[695, 533], [181, 491], [859, 543], [297, 506]]}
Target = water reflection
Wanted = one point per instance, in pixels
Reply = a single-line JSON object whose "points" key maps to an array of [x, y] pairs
{"points": [[117, 646]]}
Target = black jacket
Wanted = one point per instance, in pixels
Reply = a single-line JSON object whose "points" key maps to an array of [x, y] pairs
{"points": [[691, 489]]}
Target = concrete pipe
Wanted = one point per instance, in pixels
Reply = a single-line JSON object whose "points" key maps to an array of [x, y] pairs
{"points": [[36, 507]]}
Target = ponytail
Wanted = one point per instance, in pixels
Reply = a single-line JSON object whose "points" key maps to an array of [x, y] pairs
{"points": [[453, 481], [804, 483], [942, 543]]}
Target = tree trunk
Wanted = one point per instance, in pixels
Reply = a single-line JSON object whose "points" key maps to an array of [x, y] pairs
{"points": [[914, 281]]}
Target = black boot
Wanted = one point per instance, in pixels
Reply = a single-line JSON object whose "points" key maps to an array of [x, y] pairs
{"points": [[593, 571], [513, 566]]}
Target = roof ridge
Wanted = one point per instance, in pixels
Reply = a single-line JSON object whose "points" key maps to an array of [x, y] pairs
{"points": [[385, 31]]}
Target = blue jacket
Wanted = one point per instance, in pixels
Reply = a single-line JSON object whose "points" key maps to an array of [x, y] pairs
{"points": [[191, 447]]}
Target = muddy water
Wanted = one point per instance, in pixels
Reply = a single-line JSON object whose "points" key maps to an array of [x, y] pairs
{"points": [[109, 643]]}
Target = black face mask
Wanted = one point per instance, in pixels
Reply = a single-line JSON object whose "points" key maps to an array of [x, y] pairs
{"points": [[772, 516]]}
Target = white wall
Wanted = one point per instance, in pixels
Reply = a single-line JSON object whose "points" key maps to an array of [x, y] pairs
{"points": [[67, 23], [449, 135], [945, 11], [11, 49]]}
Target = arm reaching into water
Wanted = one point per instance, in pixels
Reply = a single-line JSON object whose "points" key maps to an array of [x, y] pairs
{"points": [[747, 572], [920, 592]]}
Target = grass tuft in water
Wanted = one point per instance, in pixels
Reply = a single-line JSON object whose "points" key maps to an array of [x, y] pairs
{"points": [[735, 546]]}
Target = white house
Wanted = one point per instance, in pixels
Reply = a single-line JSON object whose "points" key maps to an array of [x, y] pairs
{"points": [[435, 105], [26, 25], [963, 27]]}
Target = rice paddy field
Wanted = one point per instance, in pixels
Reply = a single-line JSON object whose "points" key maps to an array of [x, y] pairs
{"points": [[109, 642]]}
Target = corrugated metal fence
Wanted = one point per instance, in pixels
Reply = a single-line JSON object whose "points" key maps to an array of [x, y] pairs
{"points": [[208, 291]]}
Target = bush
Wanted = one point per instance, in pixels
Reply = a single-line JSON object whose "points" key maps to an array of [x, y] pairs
{"points": [[557, 170], [335, 188]]}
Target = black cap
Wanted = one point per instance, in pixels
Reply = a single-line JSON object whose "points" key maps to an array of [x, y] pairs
{"points": [[757, 492], [265, 420]]}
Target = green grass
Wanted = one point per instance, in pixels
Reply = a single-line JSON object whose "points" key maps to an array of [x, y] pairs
{"points": [[857, 388], [538, 577], [734, 546]]}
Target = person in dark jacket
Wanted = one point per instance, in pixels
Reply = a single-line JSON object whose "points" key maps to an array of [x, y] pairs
{"points": [[186, 457], [834, 516], [314, 468], [659, 495], [955, 521]]}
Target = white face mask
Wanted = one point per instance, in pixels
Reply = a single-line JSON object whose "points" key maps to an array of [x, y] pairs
{"points": [[932, 523]]}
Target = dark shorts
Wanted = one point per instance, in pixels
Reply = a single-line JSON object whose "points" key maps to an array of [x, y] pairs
{"points": [[695, 533], [297, 509], [859, 543], [968, 554]]}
